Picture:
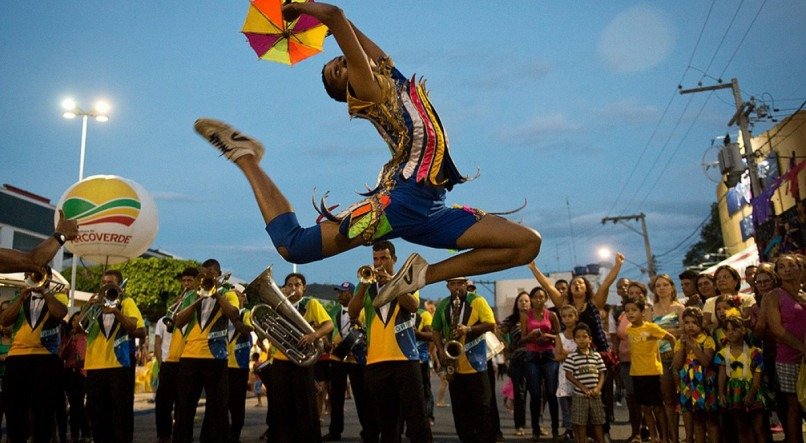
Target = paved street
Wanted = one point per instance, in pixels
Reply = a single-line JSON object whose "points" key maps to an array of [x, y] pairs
{"points": [[443, 429]]}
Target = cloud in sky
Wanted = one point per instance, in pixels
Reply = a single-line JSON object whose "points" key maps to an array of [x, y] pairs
{"points": [[539, 127], [629, 111], [637, 39]]}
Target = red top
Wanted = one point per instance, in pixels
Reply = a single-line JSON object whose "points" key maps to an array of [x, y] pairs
{"points": [[544, 324]]}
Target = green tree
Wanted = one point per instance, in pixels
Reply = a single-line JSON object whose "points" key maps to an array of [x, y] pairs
{"points": [[710, 239], [151, 281]]}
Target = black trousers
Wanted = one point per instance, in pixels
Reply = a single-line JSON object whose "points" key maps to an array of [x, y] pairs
{"points": [[196, 374], [338, 385], [292, 404], [31, 383], [495, 420], [395, 390], [75, 386], [428, 395], [470, 404], [165, 399], [108, 399], [237, 384]]}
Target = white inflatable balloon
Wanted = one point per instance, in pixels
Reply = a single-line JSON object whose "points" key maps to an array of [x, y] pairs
{"points": [[117, 218]]}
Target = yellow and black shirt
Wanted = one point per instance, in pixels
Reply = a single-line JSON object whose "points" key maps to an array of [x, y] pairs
{"points": [[474, 309], [313, 312], [390, 330], [36, 336], [341, 327], [178, 334], [108, 344], [239, 346], [207, 337]]}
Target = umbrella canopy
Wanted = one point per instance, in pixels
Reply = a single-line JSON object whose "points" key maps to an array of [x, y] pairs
{"points": [[277, 40]]}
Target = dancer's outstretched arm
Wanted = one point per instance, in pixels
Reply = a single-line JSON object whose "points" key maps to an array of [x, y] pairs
{"points": [[357, 48]]}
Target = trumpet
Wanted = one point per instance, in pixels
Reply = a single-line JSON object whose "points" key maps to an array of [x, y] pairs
{"points": [[367, 275], [277, 320], [209, 284], [40, 282]]}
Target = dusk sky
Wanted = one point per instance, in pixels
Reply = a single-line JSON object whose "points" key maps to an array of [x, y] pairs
{"points": [[571, 106]]}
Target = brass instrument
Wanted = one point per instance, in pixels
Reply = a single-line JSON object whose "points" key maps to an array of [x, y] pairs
{"points": [[172, 310], [277, 320], [209, 284], [453, 348], [367, 275], [110, 296], [41, 283]]}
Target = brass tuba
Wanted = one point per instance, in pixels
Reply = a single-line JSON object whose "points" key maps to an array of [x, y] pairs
{"points": [[277, 320]]}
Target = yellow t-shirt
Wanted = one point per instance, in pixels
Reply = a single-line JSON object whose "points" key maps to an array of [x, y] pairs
{"points": [[239, 347], [702, 340], [112, 348], [210, 339], [178, 335], [644, 349], [392, 339], [315, 315], [38, 337]]}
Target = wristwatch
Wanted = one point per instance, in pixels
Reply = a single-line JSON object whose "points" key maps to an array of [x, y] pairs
{"points": [[60, 238]]}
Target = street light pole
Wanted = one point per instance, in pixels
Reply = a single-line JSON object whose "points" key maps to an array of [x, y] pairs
{"points": [[100, 113], [650, 262]]}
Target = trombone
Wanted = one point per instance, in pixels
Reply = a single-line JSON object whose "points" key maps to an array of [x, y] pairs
{"points": [[90, 312], [40, 282], [174, 309], [209, 284]]}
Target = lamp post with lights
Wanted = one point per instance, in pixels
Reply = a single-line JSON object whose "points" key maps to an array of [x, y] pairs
{"points": [[100, 112]]}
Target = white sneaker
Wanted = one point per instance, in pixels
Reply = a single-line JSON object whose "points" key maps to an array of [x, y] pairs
{"points": [[228, 140], [409, 278]]}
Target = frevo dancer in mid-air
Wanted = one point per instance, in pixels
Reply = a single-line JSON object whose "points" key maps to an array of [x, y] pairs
{"points": [[409, 199]]}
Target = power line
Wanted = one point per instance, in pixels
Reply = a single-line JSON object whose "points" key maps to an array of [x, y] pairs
{"points": [[743, 37], [722, 41]]}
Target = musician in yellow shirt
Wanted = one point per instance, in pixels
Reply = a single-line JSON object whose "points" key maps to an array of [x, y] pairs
{"points": [[203, 364], [109, 361], [291, 395], [32, 365]]}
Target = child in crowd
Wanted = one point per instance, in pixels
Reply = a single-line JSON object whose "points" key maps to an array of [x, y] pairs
{"points": [[585, 369], [646, 368], [693, 357], [563, 348], [257, 384], [724, 306], [740, 366]]}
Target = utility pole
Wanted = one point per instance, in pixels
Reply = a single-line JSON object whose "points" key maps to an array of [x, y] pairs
{"points": [[739, 118], [650, 262]]}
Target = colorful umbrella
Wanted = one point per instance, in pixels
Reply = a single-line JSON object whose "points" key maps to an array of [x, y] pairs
{"points": [[277, 40]]}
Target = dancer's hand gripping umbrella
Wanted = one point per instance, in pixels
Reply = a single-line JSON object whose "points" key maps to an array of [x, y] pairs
{"points": [[277, 40]]}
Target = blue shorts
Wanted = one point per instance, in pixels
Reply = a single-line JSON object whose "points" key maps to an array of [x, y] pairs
{"points": [[418, 214]]}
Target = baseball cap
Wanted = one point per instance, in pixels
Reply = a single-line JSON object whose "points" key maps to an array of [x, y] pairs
{"points": [[457, 278], [470, 285], [346, 286]]}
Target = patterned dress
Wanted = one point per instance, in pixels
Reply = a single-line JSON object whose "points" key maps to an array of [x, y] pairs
{"points": [[698, 384], [740, 370]]}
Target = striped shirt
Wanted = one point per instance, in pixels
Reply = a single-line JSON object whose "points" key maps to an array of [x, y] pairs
{"points": [[585, 367]]}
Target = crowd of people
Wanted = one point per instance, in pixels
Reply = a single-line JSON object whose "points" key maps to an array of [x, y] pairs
{"points": [[725, 360]]}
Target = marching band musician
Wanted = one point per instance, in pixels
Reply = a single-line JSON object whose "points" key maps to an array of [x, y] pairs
{"points": [[291, 395], [33, 366], [465, 317], [203, 364], [392, 380], [351, 366], [108, 360], [425, 336], [239, 342], [169, 342]]}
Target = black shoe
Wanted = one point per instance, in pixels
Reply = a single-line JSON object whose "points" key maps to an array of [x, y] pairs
{"points": [[331, 437], [644, 433]]}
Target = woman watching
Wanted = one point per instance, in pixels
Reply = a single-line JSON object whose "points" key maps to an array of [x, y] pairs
{"points": [[511, 327]]}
